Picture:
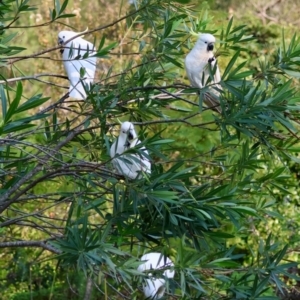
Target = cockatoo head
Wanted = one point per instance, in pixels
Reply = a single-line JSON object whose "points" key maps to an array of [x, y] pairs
{"points": [[127, 132], [206, 41], [65, 35]]}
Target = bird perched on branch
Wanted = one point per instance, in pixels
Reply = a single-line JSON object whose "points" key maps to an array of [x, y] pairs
{"points": [[200, 65], [154, 287], [79, 62], [131, 164]]}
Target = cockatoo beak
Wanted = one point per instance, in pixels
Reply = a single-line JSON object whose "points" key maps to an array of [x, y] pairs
{"points": [[60, 41], [210, 47], [130, 136]]}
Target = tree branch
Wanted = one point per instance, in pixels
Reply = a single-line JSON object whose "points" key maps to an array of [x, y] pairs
{"points": [[33, 77], [39, 244]]}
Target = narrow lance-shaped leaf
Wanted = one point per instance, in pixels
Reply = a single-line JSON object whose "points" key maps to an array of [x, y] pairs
{"points": [[63, 7], [231, 63], [57, 5], [32, 103], [3, 101], [14, 104]]}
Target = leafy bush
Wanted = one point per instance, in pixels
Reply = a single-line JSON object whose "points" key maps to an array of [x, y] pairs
{"points": [[218, 182]]}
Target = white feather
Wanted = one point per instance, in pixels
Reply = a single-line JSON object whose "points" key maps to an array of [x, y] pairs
{"points": [[129, 165], [77, 48], [154, 288], [197, 64]]}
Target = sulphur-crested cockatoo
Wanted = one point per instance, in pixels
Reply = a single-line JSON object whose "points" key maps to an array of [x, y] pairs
{"points": [[199, 64], [154, 286], [132, 164], [79, 62]]}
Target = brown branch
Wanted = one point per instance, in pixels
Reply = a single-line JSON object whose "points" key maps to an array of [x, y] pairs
{"points": [[88, 288], [38, 244], [36, 214], [27, 26], [108, 25], [13, 60], [128, 70], [262, 11], [43, 228], [34, 171], [56, 173], [61, 100], [183, 120], [33, 77]]}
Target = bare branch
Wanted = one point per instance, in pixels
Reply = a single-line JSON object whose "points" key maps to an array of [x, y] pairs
{"points": [[39, 244], [88, 288], [33, 77], [34, 171], [13, 60]]}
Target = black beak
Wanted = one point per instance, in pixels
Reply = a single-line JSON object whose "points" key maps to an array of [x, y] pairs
{"points": [[210, 47], [60, 42], [130, 136]]}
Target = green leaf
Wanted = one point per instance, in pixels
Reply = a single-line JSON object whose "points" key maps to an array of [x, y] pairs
{"points": [[167, 29], [57, 5], [63, 7], [292, 73], [172, 60], [180, 108], [13, 106], [230, 64], [222, 262], [32, 103], [16, 126], [53, 15], [161, 142], [229, 26], [3, 101], [247, 210], [66, 16], [104, 51], [102, 42], [168, 196]]}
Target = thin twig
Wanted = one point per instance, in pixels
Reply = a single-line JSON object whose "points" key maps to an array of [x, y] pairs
{"points": [[33, 77]]}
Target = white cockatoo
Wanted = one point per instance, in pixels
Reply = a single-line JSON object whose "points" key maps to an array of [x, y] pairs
{"points": [[199, 64], [78, 54], [154, 287], [129, 165]]}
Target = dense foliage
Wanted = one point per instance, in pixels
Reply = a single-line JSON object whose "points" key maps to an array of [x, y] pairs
{"points": [[222, 198]]}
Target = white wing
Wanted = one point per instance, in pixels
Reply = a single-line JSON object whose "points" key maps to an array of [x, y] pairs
{"points": [[78, 48], [154, 287], [195, 69], [155, 261], [142, 160], [129, 165], [125, 166]]}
